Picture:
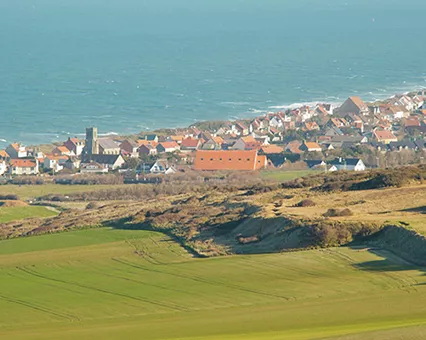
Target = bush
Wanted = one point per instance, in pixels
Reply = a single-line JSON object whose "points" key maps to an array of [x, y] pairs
{"points": [[10, 197], [306, 203], [338, 213]]}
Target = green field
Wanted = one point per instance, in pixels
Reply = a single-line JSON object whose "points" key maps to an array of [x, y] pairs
{"points": [[32, 191], [286, 175], [8, 214], [117, 284]]}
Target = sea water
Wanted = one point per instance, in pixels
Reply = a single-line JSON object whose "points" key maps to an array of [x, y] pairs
{"points": [[133, 65]]}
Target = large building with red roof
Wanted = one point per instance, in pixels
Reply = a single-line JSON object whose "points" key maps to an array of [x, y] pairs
{"points": [[229, 160]]}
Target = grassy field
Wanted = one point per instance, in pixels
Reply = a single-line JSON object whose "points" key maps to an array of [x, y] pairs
{"points": [[8, 214], [118, 284], [31, 191], [286, 175]]}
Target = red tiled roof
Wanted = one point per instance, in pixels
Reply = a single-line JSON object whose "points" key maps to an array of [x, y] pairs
{"points": [[190, 142], [312, 145], [169, 145], [23, 163], [245, 160], [270, 149], [384, 135], [4, 154]]}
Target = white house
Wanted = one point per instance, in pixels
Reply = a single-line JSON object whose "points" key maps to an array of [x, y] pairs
{"points": [[162, 167], [16, 150], [24, 167], [349, 164], [3, 167], [93, 168]]}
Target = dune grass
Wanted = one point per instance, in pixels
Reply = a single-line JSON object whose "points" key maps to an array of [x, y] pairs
{"points": [[8, 214], [120, 284]]}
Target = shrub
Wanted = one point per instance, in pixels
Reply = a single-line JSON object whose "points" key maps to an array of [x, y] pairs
{"points": [[9, 197], [338, 213], [306, 203]]}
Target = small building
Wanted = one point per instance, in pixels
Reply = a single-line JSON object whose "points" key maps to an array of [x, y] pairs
{"points": [[247, 143], [348, 164], [93, 168], [162, 167], [73, 163], [271, 149], [16, 150], [384, 136], [354, 105], [130, 147], [191, 144], [3, 168], [167, 147], [23, 167], [75, 145], [4, 155], [310, 147], [112, 162], [63, 150], [54, 162], [147, 150], [229, 160]]}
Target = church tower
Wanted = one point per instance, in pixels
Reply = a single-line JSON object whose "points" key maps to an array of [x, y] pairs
{"points": [[92, 144]]}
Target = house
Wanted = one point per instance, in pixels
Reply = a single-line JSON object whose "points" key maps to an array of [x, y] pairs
{"points": [[190, 144], [54, 162], [247, 143], [229, 160], [4, 155], [151, 138], [310, 126], [23, 167], [3, 168], [178, 139], [240, 128], [316, 164], [333, 131], [167, 147], [72, 163], [339, 141], [75, 145], [214, 143], [93, 168], [294, 147], [147, 149], [349, 164], [310, 147], [353, 105], [16, 150], [110, 161], [130, 148], [162, 167], [63, 150], [402, 145], [108, 147], [271, 149], [384, 136]]}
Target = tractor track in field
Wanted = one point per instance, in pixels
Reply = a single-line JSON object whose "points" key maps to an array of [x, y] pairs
{"points": [[27, 304], [104, 291], [202, 280]]}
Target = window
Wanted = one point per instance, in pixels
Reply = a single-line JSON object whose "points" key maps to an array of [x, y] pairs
{"points": [[211, 159], [202, 159], [248, 159], [230, 159]]}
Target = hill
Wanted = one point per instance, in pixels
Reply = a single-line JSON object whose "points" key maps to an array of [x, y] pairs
{"points": [[132, 284]]}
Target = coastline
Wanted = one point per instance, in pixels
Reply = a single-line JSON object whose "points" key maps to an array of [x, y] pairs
{"points": [[247, 115]]}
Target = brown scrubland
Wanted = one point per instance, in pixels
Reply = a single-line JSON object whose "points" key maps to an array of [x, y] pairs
{"points": [[383, 208]]}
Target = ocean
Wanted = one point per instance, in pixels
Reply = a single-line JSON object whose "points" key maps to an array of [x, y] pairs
{"points": [[134, 65]]}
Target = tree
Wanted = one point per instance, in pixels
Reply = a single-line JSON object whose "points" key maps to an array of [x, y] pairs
{"points": [[132, 163]]}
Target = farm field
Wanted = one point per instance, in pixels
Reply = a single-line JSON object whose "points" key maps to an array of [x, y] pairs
{"points": [[129, 284], [8, 214]]}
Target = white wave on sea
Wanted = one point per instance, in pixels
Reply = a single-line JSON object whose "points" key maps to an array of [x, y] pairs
{"points": [[310, 104]]}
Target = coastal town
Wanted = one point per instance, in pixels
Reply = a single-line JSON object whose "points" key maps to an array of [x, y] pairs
{"points": [[353, 137]]}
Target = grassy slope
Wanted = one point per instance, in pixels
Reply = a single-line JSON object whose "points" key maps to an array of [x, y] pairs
{"points": [[31, 191], [18, 213], [113, 284], [286, 175]]}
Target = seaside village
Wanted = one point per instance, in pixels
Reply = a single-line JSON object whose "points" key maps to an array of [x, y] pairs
{"points": [[352, 137]]}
